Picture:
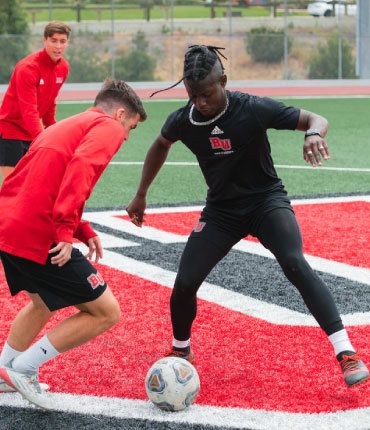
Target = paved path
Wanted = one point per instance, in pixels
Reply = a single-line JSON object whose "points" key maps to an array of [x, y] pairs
{"points": [[324, 88], [260, 88]]}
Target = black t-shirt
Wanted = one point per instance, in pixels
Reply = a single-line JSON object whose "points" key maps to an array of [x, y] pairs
{"points": [[234, 152]]}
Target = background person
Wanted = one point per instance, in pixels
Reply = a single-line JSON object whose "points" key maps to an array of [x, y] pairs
{"points": [[31, 95], [42, 215], [227, 133]]}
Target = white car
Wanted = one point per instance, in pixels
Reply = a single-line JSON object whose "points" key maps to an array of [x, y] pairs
{"points": [[325, 8]]}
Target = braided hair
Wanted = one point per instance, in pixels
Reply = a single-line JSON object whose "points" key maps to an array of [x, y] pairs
{"points": [[198, 64]]}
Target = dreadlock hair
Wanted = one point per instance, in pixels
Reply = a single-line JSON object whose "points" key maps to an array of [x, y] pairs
{"points": [[119, 93], [198, 64]]}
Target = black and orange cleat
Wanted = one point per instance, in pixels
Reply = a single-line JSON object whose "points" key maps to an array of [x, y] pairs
{"points": [[185, 353], [354, 370]]}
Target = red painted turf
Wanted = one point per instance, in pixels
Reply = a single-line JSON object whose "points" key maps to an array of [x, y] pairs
{"points": [[242, 361], [335, 231]]}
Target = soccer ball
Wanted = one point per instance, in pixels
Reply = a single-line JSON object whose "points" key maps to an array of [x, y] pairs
{"points": [[172, 384]]}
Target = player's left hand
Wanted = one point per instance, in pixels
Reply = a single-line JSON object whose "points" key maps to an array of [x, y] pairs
{"points": [[64, 250], [314, 149], [94, 247]]}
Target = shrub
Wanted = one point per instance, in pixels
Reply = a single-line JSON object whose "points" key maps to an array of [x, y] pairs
{"points": [[138, 64], [323, 64], [266, 44]]}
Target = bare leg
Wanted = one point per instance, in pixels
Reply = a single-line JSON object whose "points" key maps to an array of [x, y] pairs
{"points": [[28, 323], [93, 319]]}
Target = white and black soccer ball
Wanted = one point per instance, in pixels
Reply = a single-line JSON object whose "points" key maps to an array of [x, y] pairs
{"points": [[172, 384]]}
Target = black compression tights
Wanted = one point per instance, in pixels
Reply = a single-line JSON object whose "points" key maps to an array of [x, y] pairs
{"points": [[280, 234]]}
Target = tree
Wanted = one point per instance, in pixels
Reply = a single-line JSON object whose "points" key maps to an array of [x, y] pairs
{"points": [[266, 44], [13, 46], [12, 18], [85, 64]]}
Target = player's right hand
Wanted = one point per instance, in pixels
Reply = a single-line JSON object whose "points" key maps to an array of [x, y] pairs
{"points": [[64, 250], [136, 210]]}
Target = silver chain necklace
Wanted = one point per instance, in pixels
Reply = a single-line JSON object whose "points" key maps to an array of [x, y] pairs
{"points": [[211, 120]]}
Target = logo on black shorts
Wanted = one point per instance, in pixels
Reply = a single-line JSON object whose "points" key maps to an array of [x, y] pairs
{"points": [[199, 226], [95, 279]]}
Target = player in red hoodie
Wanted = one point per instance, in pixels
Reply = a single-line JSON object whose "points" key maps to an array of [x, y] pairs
{"points": [[43, 200], [31, 95]]}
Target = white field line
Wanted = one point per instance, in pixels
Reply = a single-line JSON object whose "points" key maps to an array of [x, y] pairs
{"points": [[107, 219], [271, 313], [213, 293], [224, 418], [280, 166]]}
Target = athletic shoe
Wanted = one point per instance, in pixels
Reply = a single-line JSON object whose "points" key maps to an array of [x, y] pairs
{"points": [[354, 370], [5, 388], [27, 384], [185, 353]]}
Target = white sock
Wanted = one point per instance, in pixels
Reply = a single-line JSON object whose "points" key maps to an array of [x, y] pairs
{"points": [[341, 342], [181, 343], [36, 355], [7, 354]]}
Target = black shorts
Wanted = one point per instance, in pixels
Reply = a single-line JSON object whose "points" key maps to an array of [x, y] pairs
{"points": [[12, 150], [76, 282], [225, 226]]}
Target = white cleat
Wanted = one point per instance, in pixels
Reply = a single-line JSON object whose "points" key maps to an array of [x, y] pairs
{"points": [[5, 388], [27, 385]]}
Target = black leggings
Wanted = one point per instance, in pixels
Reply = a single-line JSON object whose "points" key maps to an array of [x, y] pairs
{"points": [[280, 233]]}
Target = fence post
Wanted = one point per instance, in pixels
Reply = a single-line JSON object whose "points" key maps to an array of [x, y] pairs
{"points": [[78, 10], [286, 71], [231, 38], [340, 74], [113, 44], [363, 39]]}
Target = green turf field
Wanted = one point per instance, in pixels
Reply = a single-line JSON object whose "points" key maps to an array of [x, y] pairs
{"points": [[348, 141]]}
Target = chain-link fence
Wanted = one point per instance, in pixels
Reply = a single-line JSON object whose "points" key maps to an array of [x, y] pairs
{"points": [[290, 46]]}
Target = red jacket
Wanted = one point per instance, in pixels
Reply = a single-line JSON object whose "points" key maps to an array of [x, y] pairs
{"points": [[42, 200], [31, 95]]}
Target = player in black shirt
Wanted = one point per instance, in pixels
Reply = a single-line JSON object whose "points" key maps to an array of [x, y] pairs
{"points": [[226, 130]]}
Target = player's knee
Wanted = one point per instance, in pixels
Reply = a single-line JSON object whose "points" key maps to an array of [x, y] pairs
{"points": [[292, 265], [184, 290], [110, 315], [114, 315]]}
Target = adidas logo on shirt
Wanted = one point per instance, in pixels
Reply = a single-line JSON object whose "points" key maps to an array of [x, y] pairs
{"points": [[216, 130], [59, 80]]}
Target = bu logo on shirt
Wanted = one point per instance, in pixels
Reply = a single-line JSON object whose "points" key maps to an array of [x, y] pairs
{"points": [[95, 279], [218, 143], [199, 226]]}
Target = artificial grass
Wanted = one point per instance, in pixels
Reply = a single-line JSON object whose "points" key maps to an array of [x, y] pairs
{"points": [[135, 12], [347, 139]]}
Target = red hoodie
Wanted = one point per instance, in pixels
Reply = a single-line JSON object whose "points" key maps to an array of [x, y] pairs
{"points": [[42, 200], [31, 95]]}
